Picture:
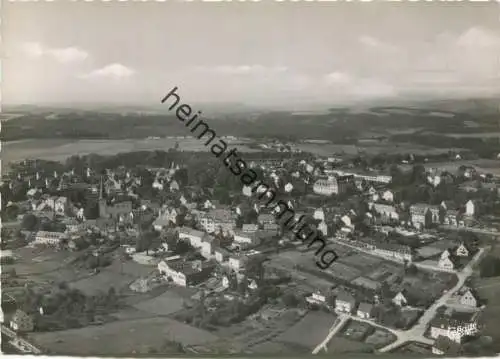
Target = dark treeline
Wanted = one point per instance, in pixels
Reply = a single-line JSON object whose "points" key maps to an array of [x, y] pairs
{"points": [[338, 126]]}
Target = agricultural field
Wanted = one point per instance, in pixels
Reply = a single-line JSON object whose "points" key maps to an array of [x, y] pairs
{"points": [[488, 290], [310, 331], [339, 345], [121, 337], [60, 149], [164, 304]]}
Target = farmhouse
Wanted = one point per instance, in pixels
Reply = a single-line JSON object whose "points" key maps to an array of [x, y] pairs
{"points": [[365, 310], [455, 326], [344, 302], [184, 273]]}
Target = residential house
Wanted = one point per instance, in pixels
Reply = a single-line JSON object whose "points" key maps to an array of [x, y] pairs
{"points": [[388, 196], [221, 255], [50, 238], [344, 302], [452, 218], [468, 298], [470, 208], [237, 262], [387, 212], [192, 235], [462, 250], [455, 326], [365, 310], [323, 228], [246, 238], [326, 186], [423, 215], [59, 205], [266, 218], [165, 218], [249, 228], [449, 205], [394, 250], [247, 191], [218, 220], [405, 298], [447, 263], [22, 322], [418, 215], [319, 214], [316, 298], [184, 273], [174, 186]]}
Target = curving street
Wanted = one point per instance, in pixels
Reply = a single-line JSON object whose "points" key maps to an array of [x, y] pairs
{"points": [[416, 333]]}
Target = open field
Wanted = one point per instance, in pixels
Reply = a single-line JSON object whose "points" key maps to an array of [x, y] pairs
{"points": [[489, 291], [274, 347], [101, 282], [310, 331], [59, 150], [483, 165], [376, 148], [340, 345], [122, 337], [166, 303]]}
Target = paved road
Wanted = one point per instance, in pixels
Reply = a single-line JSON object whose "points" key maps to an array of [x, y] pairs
{"points": [[19, 342], [416, 333]]}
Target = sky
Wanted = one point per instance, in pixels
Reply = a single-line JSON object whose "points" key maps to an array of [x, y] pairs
{"points": [[262, 54]]}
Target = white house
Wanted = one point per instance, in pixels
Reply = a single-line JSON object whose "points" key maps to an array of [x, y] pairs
{"points": [[158, 184], [51, 238], [365, 310], [462, 251], [316, 298], [174, 186], [221, 255], [319, 214], [455, 326], [344, 302], [245, 238], [192, 235], [400, 299], [237, 262], [388, 196], [326, 187], [387, 211], [247, 191], [446, 263], [468, 298], [185, 274], [323, 228], [470, 208]]}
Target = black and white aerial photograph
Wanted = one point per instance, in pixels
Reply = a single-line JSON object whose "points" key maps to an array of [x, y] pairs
{"points": [[250, 178]]}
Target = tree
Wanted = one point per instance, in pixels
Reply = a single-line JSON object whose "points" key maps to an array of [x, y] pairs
{"points": [[489, 267], [290, 300], [29, 222]]}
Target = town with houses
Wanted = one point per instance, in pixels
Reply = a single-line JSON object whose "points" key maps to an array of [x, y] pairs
{"points": [[176, 251]]}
